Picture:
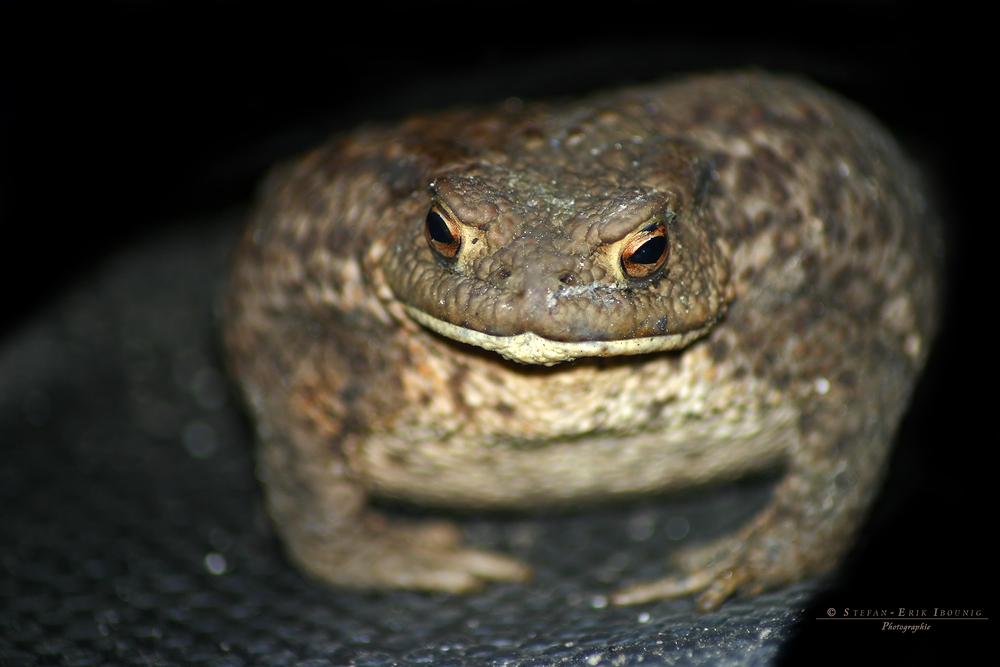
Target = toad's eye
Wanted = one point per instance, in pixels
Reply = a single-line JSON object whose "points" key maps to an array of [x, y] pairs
{"points": [[443, 235], [646, 251]]}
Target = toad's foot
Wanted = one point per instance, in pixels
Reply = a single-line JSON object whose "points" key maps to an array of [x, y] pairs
{"points": [[399, 554], [716, 582], [748, 563]]}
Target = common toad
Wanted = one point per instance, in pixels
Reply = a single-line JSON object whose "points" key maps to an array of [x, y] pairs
{"points": [[550, 304]]}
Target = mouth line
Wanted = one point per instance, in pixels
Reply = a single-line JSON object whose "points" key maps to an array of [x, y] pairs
{"points": [[530, 348]]}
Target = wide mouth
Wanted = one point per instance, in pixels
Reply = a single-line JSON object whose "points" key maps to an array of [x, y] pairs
{"points": [[531, 348]]}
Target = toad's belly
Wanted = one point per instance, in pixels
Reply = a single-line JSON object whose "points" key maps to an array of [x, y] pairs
{"points": [[509, 474]]}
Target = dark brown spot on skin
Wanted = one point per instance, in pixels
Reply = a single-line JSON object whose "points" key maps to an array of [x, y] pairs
{"points": [[861, 242], [774, 170], [719, 349], [848, 378], [809, 421], [843, 279], [693, 457], [793, 150], [762, 220], [316, 204], [839, 447], [402, 177], [534, 139], [810, 262], [743, 227], [882, 229], [747, 179], [703, 111], [656, 407], [785, 247], [834, 230], [801, 324], [844, 481], [455, 384]]}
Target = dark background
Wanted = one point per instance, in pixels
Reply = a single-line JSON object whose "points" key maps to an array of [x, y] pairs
{"points": [[118, 120]]}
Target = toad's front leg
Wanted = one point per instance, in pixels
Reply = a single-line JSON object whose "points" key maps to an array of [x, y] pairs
{"points": [[320, 508], [832, 475], [317, 392]]}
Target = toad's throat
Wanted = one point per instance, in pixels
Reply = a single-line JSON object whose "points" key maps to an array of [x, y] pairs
{"points": [[530, 348]]}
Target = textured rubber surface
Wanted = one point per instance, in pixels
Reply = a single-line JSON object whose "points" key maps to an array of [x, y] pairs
{"points": [[131, 530]]}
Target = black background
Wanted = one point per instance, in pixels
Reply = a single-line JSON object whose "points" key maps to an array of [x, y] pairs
{"points": [[120, 119]]}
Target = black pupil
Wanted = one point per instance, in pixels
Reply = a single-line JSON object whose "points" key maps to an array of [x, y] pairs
{"points": [[438, 229], [650, 251]]}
